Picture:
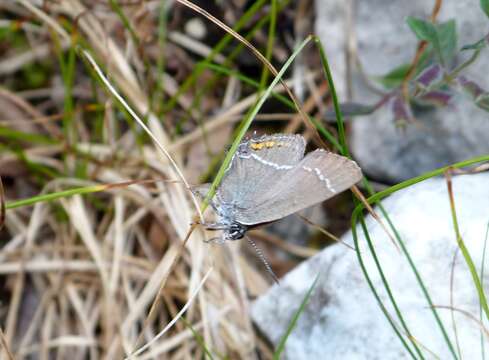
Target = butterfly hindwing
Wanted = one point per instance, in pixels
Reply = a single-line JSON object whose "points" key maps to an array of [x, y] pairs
{"points": [[317, 177]]}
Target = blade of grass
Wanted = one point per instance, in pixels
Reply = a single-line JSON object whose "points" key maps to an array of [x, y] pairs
{"points": [[5, 346], [21, 136], [295, 318], [247, 80], [40, 170], [159, 96], [467, 315], [463, 248], [336, 104], [483, 263], [452, 312], [270, 42], [125, 21], [247, 122], [67, 67], [2, 204], [175, 319], [70, 192], [199, 339]]}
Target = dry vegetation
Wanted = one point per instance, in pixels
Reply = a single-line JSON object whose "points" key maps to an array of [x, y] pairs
{"points": [[79, 275]]}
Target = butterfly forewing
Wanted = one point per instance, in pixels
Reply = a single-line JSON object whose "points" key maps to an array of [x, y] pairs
{"points": [[256, 164], [319, 176]]}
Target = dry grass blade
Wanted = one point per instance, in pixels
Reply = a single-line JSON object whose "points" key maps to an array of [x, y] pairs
{"points": [[372, 212], [468, 315], [325, 232], [170, 269], [2, 204], [5, 346], [175, 319]]}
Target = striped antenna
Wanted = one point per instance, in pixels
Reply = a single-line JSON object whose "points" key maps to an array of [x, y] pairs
{"points": [[263, 259]]}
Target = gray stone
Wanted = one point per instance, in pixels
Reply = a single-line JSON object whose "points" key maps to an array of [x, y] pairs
{"points": [[383, 42], [343, 320]]}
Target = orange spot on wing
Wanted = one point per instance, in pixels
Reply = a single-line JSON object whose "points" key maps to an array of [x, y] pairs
{"points": [[265, 144]]}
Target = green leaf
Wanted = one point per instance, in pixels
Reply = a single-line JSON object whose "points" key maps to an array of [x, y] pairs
{"points": [[447, 38], [443, 36], [424, 30], [349, 109], [485, 6], [395, 77]]}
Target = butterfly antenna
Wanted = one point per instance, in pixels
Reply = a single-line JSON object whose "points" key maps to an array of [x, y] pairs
{"points": [[263, 259]]}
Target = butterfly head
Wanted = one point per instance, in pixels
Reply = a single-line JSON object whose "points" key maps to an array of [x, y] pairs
{"points": [[235, 231]]}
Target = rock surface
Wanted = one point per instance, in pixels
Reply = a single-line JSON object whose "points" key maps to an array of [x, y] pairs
{"points": [[343, 320], [383, 42]]}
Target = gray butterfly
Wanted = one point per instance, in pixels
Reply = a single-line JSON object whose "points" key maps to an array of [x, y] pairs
{"points": [[269, 178]]}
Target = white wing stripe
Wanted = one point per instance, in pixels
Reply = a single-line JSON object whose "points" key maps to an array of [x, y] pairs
{"points": [[321, 177], [272, 164]]}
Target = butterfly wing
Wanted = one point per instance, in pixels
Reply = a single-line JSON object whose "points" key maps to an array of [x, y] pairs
{"points": [[256, 164], [319, 176]]}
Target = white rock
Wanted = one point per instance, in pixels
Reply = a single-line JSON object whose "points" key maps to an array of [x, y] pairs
{"points": [[343, 320], [384, 41]]}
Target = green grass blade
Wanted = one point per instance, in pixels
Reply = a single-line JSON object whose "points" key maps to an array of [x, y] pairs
{"points": [[343, 148], [125, 21], [199, 339], [21, 136], [159, 96], [483, 262], [271, 39], [466, 255], [55, 196], [293, 322]]}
